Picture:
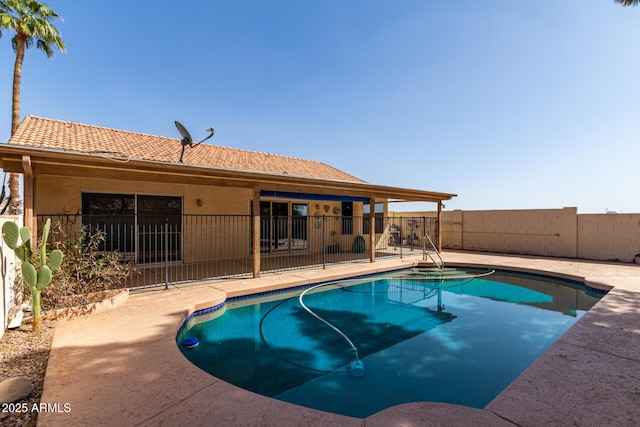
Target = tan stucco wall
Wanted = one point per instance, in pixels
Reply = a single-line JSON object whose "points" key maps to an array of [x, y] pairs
{"points": [[56, 194], [549, 232]]}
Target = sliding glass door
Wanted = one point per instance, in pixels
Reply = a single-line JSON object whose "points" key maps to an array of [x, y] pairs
{"points": [[280, 231], [159, 228]]}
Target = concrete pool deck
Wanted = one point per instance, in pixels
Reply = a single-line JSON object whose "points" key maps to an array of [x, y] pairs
{"points": [[122, 366]]}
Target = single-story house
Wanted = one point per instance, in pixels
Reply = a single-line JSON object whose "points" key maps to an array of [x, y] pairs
{"points": [[219, 202]]}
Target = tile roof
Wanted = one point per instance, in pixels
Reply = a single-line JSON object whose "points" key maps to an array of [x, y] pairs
{"points": [[75, 137]]}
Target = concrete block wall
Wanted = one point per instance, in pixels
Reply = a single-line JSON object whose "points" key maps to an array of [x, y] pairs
{"points": [[451, 229], [547, 232], [609, 237], [550, 232]]}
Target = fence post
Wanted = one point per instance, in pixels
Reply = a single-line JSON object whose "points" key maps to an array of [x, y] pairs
{"points": [[372, 229], [166, 253], [425, 231], [402, 230], [438, 226]]}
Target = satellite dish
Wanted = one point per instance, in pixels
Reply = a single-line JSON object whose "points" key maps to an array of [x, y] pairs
{"points": [[186, 136], [187, 140]]}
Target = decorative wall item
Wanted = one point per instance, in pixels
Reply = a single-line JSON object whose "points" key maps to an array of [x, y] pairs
{"points": [[326, 208], [336, 210]]}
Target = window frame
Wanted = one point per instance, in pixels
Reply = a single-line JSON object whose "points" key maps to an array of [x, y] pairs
{"points": [[124, 229], [378, 210]]}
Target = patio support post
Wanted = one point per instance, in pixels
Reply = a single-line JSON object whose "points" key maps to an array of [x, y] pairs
{"points": [[29, 218], [372, 230], [324, 242], [439, 226], [256, 232]]}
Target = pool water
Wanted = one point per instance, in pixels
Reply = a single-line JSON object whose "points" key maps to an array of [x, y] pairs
{"points": [[459, 341]]}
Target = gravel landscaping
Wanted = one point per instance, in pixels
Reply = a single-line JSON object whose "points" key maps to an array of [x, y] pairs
{"points": [[25, 354]]}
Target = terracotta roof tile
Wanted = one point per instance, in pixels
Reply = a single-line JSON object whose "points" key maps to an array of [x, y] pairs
{"points": [[70, 136]]}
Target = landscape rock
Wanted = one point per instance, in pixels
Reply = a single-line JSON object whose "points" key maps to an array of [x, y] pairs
{"points": [[14, 389], [16, 320]]}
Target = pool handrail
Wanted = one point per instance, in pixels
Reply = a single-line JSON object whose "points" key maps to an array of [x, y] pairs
{"points": [[426, 253]]}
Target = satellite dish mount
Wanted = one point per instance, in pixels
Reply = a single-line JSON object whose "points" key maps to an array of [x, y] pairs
{"points": [[187, 140]]}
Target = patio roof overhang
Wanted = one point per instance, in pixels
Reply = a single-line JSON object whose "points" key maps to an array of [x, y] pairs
{"points": [[25, 159]]}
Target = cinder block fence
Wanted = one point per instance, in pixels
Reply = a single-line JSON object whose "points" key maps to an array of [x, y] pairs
{"points": [[547, 232]]}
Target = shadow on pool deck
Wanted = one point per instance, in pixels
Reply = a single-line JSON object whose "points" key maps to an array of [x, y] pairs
{"points": [[122, 366]]}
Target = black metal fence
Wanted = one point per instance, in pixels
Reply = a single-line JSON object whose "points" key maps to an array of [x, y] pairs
{"points": [[167, 249]]}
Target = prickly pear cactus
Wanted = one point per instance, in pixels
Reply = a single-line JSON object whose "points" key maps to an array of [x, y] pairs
{"points": [[38, 279]]}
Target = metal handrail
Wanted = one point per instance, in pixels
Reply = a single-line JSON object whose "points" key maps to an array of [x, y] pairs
{"points": [[426, 253]]}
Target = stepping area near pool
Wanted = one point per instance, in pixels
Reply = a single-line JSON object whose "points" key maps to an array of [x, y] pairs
{"points": [[122, 366]]}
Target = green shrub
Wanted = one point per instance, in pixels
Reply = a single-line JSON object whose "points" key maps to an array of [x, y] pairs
{"points": [[87, 273]]}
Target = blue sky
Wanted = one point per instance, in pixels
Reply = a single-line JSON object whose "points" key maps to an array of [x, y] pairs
{"points": [[509, 104]]}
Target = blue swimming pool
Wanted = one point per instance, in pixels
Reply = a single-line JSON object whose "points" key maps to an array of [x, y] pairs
{"points": [[460, 339]]}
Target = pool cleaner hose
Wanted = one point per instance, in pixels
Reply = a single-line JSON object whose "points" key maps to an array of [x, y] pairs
{"points": [[356, 367]]}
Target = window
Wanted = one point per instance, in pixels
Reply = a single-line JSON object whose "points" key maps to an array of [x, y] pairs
{"points": [[113, 214], [379, 216], [150, 226], [347, 217], [299, 213], [107, 204]]}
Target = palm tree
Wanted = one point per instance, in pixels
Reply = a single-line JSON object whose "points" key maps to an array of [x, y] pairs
{"points": [[30, 20], [628, 2]]}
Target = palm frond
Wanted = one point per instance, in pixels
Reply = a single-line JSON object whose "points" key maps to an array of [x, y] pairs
{"points": [[628, 2], [32, 22]]}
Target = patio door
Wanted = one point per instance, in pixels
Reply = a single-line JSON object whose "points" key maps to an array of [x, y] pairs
{"points": [[159, 228], [274, 230], [280, 231]]}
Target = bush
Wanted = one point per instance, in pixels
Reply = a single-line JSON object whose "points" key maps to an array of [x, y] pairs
{"points": [[87, 274]]}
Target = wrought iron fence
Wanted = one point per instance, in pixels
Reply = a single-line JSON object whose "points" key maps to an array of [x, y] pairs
{"points": [[168, 249]]}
